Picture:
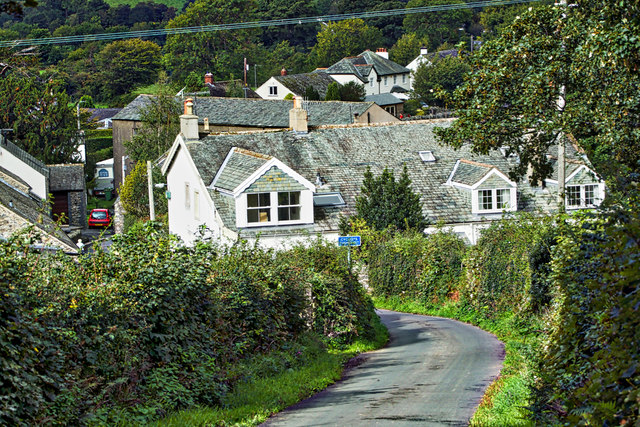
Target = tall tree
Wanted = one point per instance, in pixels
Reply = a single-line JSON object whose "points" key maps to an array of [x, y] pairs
{"points": [[385, 202], [160, 125], [43, 121], [352, 91], [407, 48], [126, 64], [218, 52], [443, 74], [587, 52], [339, 39]]}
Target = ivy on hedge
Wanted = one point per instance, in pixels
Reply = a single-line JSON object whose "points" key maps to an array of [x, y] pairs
{"points": [[153, 326]]}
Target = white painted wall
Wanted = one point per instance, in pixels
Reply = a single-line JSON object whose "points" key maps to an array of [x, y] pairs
{"points": [[263, 90], [36, 180], [471, 231], [186, 214]]}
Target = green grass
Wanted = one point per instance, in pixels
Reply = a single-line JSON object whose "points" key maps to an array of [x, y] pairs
{"points": [[267, 389], [505, 400]]}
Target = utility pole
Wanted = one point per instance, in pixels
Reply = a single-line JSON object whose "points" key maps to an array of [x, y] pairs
{"points": [[152, 210], [560, 139]]}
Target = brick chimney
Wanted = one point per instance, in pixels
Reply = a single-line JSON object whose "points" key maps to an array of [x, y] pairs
{"points": [[383, 52], [208, 78], [423, 51], [189, 121], [283, 72], [298, 119]]}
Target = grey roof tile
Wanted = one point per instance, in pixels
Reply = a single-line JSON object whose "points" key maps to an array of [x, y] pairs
{"points": [[238, 168], [298, 83]]}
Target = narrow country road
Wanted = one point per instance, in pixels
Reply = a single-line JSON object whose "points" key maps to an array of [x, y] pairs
{"points": [[433, 373]]}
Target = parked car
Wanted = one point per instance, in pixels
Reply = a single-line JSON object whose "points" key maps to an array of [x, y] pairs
{"points": [[99, 218]]}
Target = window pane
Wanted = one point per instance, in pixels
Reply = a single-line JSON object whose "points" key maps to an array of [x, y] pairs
{"points": [[265, 215], [503, 198], [265, 199], [294, 213], [252, 200], [573, 195], [283, 199], [590, 193], [283, 214], [252, 215], [294, 198], [486, 202]]}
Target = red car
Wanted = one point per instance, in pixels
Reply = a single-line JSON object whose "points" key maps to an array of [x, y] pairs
{"points": [[99, 218]]}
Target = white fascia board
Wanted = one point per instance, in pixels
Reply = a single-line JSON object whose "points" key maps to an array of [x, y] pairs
{"points": [[264, 168], [224, 164], [453, 172], [179, 141], [494, 171], [581, 168]]}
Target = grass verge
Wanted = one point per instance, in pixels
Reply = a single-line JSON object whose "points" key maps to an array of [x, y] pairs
{"points": [[505, 401], [267, 384]]}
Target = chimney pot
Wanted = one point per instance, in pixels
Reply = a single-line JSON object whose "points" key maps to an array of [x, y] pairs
{"points": [[298, 119], [283, 72], [189, 122], [188, 106], [383, 52], [208, 78], [423, 50]]}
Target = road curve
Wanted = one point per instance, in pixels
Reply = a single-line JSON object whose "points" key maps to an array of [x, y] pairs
{"points": [[433, 373]]}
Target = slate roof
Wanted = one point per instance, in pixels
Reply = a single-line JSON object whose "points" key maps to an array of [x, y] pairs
{"points": [[362, 65], [24, 156], [98, 114], [21, 204], [238, 168], [383, 99], [298, 83], [341, 155], [468, 173], [257, 113]]}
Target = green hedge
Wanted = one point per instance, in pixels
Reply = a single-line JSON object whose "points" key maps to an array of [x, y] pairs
{"points": [[153, 326]]}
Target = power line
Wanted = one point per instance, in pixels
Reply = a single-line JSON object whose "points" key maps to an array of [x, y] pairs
{"points": [[255, 24]]}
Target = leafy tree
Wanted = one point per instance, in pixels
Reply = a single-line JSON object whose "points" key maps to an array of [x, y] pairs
{"points": [[333, 92], [134, 193], [511, 98], [352, 91], [391, 26], [43, 121], [296, 35], [443, 74], [495, 19], [385, 202], [217, 52], [438, 27], [407, 48], [126, 64], [15, 8], [339, 39], [160, 125], [311, 94]]}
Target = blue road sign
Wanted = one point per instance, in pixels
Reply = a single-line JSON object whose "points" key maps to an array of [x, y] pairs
{"points": [[349, 241]]}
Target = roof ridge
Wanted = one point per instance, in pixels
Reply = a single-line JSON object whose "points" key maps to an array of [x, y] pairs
{"points": [[471, 162], [252, 153]]}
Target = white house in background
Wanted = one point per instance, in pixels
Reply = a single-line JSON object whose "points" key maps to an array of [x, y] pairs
{"points": [[279, 187], [104, 176], [278, 87], [375, 71], [427, 58]]}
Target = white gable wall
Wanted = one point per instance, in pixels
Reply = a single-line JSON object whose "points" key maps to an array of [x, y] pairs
{"points": [[36, 180], [264, 93], [189, 209]]}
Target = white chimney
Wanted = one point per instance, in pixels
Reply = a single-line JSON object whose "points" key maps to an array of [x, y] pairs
{"points": [[189, 121], [383, 52], [423, 51], [298, 120]]}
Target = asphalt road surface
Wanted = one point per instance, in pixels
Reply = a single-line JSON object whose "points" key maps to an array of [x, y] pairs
{"points": [[433, 373]]}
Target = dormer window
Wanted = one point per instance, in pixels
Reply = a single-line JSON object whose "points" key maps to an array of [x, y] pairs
{"points": [[273, 90], [289, 206], [258, 207], [261, 209], [494, 200], [582, 196]]}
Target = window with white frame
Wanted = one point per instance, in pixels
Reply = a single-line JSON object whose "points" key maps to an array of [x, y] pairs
{"points": [[404, 78], [187, 195], [289, 206], [273, 90], [581, 196], [371, 82], [395, 79], [496, 199], [103, 173], [196, 205], [385, 81], [258, 207]]}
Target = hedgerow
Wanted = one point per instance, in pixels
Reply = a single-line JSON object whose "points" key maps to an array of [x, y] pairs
{"points": [[153, 326]]}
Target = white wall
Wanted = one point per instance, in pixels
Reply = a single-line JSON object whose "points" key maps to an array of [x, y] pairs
{"points": [[263, 90], [186, 217], [36, 180], [471, 230]]}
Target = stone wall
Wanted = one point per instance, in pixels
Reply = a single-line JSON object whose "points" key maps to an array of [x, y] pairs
{"points": [[70, 178], [77, 209]]}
